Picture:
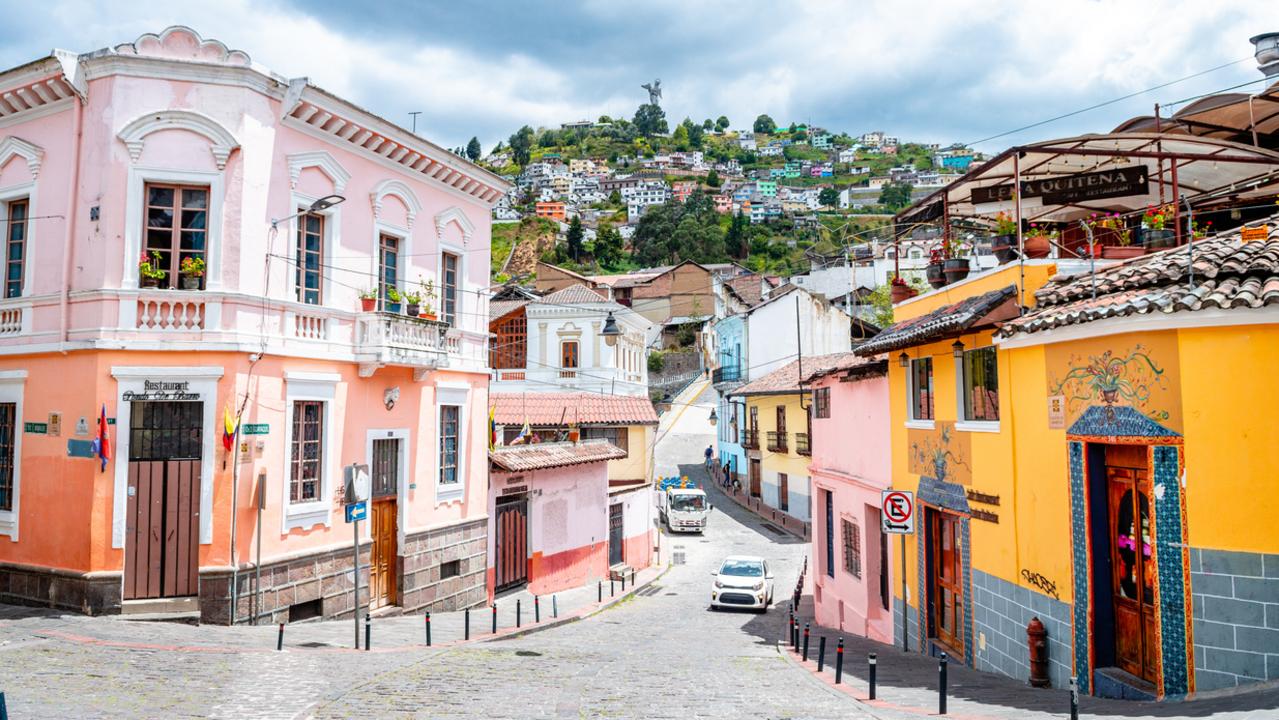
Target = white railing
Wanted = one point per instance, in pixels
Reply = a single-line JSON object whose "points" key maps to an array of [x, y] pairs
{"points": [[307, 326], [10, 322], [401, 340], [171, 310]]}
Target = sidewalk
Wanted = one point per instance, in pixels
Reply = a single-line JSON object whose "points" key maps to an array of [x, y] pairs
{"points": [[789, 523], [906, 686], [390, 634]]}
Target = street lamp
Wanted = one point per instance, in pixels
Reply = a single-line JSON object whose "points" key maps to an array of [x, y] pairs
{"points": [[958, 349], [903, 360], [320, 205], [714, 418], [611, 332]]}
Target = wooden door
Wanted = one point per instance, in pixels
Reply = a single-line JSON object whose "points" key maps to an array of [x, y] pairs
{"points": [[383, 522], [616, 536], [783, 492], [754, 478], [946, 592], [1136, 649], [510, 544]]}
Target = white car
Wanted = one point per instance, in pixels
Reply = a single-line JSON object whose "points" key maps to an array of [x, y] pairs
{"points": [[743, 581]]}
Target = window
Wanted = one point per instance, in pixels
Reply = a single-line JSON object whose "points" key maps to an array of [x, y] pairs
{"points": [[568, 354], [510, 343], [448, 444], [448, 290], [619, 436], [308, 451], [981, 385], [177, 218], [852, 548], [8, 418], [829, 499], [388, 275], [821, 402], [310, 257], [921, 389], [15, 248], [781, 420]]}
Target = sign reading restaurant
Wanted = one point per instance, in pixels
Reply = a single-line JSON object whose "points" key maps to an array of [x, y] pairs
{"points": [[162, 390], [1116, 182]]}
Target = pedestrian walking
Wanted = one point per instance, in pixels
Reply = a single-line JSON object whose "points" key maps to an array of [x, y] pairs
{"points": [[709, 453]]}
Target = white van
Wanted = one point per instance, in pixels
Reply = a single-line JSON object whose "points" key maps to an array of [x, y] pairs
{"points": [[685, 509]]}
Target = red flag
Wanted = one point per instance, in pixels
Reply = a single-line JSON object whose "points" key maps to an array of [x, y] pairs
{"points": [[104, 441]]}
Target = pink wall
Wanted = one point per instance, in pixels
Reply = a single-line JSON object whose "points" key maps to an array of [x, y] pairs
{"points": [[850, 467]]}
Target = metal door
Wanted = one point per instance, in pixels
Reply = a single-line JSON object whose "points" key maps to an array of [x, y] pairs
{"points": [[1136, 649], [616, 536], [510, 545], [383, 519], [162, 519]]}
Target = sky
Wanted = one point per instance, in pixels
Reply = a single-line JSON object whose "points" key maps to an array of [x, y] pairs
{"points": [[952, 71]]}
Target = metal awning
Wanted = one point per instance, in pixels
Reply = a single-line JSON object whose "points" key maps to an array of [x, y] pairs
{"points": [[1240, 117], [1205, 170]]}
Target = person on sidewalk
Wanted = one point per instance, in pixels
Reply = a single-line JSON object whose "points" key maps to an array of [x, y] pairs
{"points": [[709, 453]]}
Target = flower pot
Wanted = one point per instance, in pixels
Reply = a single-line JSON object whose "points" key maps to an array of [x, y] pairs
{"points": [[1109, 395], [574, 435], [1004, 247], [429, 316], [411, 310], [1122, 252], [190, 282], [1158, 238], [149, 282], [1037, 246], [898, 293], [368, 304], [392, 307], [956, 269], [936, 275]]}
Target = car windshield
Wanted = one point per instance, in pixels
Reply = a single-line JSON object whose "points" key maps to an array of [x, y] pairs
{"points": [[742, 568], [685, 503]]}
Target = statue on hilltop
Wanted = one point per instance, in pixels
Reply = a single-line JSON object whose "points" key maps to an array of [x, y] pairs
{"points": [[654, 91]]}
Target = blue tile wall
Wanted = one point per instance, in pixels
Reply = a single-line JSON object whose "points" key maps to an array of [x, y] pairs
{"points": [[1171, 568], [1001, 613], [1079, 561], [1117, 421]]}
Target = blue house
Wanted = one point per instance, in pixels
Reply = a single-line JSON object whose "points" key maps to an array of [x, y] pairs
{"points": [[731, 373]]}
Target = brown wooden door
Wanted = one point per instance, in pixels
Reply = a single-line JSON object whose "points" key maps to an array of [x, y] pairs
{"points": [[1136, 649], [946, 592], [383, 519], [510, 544], [783, 492], [755, 478]]}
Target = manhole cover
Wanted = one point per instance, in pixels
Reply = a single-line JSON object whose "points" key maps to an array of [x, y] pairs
{"points": [[678, 558], [528, 653]]}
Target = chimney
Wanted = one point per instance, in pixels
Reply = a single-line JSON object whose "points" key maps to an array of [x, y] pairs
{"points": [[1267, 53]]}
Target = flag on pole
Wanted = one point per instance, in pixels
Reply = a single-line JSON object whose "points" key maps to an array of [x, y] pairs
{"points": [[492, 427], [229, 426], [102, 443], [523, 436]]}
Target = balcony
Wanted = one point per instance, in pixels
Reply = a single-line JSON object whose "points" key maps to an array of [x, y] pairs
{"points": [[777, 442], [750, 439], [802, 446], [383, 338], [729, 373]]}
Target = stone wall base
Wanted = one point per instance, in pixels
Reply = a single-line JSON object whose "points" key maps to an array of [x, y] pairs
{"points": [[422, 586], [96, 594]]}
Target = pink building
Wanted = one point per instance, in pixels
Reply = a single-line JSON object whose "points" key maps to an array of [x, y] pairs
{"points": [[558, 522], [188, 237], [850, 467]]}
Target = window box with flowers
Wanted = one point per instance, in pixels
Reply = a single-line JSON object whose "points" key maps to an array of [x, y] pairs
{"points": [[1155, 231], [151, 270], [1004, 243], [900, 291], [935, 273], [368, 300], [956, 266], [1112, 237], [1038, 241], [192, 271]]}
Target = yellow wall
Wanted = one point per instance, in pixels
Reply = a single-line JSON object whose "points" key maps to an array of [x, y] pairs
{"points": [[635, 466], [789, 462]]}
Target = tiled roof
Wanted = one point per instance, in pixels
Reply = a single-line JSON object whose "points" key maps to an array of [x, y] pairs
{"points": [[539, 456], [853, 365], [499, 308], [786, 378], [562, 408], [577, 293], [1228, 273], [943, 322], [747, 287]]}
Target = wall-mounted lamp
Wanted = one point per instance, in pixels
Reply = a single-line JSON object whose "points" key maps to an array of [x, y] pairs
{"points": [[903, 360], [958, 348]]}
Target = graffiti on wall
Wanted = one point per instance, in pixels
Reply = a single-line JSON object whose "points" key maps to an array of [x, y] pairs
{"points": [[1040, 582], [941, 454]]}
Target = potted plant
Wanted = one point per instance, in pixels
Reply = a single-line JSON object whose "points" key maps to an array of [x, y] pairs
{"points": [[393, 298], [426, 294], [1004, 243], [957, 266], [192, 269], [1155, 232], [574, 434], [900, 291], [1199, 232], [149, 271], [1113, 237], [412, 300], [1037, 242], [936, 270]]}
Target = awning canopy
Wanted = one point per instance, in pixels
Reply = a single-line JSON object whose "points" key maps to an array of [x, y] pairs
{"points": [[1207, 171], [1239, 117]]}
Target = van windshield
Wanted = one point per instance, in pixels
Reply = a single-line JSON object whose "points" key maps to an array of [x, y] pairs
{"points": [[688, 503]]}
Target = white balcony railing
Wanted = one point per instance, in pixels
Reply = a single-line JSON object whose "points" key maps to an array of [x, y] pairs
{"points": [[171, 310], [11, 322], [383, 338]]}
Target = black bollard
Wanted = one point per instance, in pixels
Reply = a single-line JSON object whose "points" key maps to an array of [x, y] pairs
{"points": [[623, 582], [632, 578], [871, 662], [555, 606], [1074, 697], [467, 635], [494, 618], [794, 637], [941, 685], [612, 590], [599, 591], [428, 628], [805, 642], [279, 640], [4, 709], [821, 653], [839, 662], [537, 609], [518, 613], [790, 622], [368, 632]]}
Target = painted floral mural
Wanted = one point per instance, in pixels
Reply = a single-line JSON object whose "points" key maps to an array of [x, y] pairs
{"points": [[1130, 377]]}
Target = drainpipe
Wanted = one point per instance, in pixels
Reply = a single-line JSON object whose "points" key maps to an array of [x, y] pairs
{"points": [[68, 240]]}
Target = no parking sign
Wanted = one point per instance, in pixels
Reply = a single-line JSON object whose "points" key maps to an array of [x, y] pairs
{"points": [[897, 511]]}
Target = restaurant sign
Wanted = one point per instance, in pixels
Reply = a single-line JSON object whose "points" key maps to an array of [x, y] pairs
{"points": [[1116, 182], [162, 390]]}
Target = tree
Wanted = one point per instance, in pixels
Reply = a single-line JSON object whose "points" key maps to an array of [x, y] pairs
{"points": [[828, 197], [607, 247], [722, 123], [650, 120], [473, 149], [680, 137], [549, 138], [615, 198], [712, 178], [765, 124], [708, 124], [673, 232], [521, 144], [735, 243], [575, 239], [792, 128], [695, 135], [895, 195]]}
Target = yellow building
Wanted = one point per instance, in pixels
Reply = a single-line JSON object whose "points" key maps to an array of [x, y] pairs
{"points": [[1103, 463]]}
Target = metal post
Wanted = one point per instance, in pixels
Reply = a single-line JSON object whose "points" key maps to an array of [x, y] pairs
{"points": [[1021, 248], [623, 583], [428, 628], [555, 606], [4, 709], [790, 623], [599, 591], [537, 609], [518, 612], [368, 632], [871, 662], [1176, 205], [467, 634], [279, 640], [632, 579], [821, 653], [494, 618], [905, 605], [257, 564], [1190, 245], [941, 685], [1092, 259], [1074, 697], [612, 589], [356, 569], [805, 642], [839, 662]]}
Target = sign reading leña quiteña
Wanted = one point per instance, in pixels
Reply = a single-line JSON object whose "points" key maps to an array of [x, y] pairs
{"points": [[1115, 182]]}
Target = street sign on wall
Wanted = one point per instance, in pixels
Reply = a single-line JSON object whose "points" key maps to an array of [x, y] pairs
{"points": [[897, 512]]}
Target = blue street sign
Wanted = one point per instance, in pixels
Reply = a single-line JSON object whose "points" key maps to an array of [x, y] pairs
{"points": [[357, 511]]}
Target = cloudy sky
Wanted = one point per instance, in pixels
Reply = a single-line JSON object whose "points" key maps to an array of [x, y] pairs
{"points": [[958, 70]]}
